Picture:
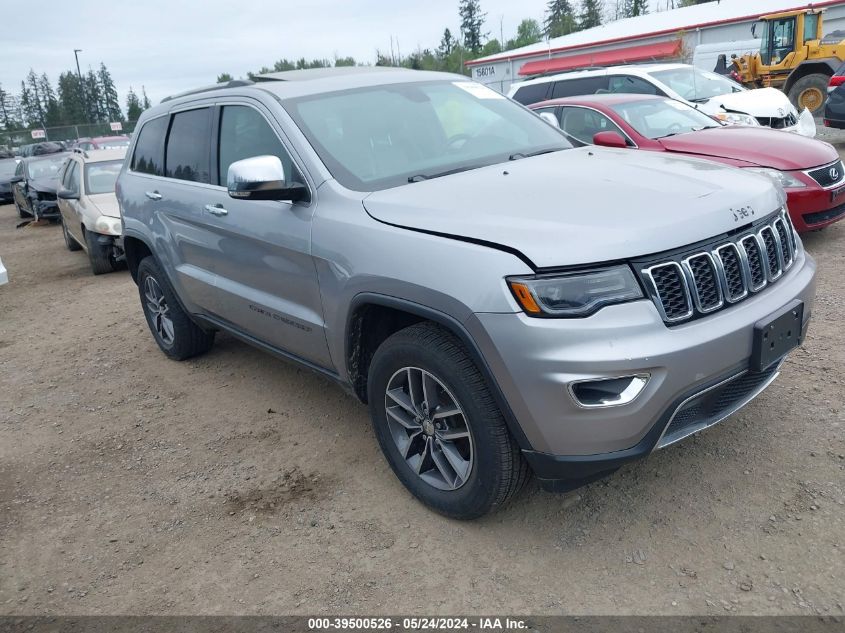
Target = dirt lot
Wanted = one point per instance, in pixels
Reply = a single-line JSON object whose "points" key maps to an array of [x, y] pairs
{"points": [[236, 483]]}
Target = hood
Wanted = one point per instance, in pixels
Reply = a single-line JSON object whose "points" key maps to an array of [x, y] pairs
{"points": [[760, 102], [46, 185], [581, 206], [756, 146], [106, 204]]}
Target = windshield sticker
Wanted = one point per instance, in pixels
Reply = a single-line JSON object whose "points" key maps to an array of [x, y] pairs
{"points": [[477, 90]]}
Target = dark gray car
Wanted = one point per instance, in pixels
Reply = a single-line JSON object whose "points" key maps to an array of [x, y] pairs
{"points": [[505, 304]]}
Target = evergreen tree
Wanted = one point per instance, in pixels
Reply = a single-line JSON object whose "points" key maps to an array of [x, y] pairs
{"points": [[94, 98], [8, 109], [560, 19], [110, 104], [472, 20], [283, 65], [30, 113], [145, 100], [72, 99], [447, 43], [133, 106], [221, 79], [49, 103], [631, 8], [35, 113], [344, 61], [591, 11]]}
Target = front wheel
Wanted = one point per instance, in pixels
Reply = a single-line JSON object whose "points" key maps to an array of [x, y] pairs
{"points": [[172, 328], [100, 255], [810, 92], [21, 213], [438, 425]]}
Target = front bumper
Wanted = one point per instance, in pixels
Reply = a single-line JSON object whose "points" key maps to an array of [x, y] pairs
{"points": [[46, 209], [535, 360], [813, 207]]}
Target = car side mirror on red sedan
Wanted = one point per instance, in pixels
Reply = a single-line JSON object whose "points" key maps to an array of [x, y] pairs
{"points": [[609, 139]]}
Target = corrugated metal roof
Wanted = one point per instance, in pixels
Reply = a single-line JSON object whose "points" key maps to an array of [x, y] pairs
{"points": [[687, 18]]}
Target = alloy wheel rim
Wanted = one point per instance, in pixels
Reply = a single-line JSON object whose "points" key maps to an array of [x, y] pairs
{"points": [[429, 428], [158, 310], [811, 99]]}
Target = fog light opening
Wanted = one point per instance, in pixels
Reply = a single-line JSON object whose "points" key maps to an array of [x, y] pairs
{"points": [[608, 392]]}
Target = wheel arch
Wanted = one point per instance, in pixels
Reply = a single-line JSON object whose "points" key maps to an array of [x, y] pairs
{"points": [[372, 318], [135, 250], [826, 66]]}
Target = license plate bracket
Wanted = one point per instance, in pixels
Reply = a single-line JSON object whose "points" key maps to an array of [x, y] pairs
{"points": [[776, 335], [837, 193]]}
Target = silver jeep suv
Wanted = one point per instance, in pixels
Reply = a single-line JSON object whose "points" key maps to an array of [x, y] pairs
{"points": [[505, 304]]}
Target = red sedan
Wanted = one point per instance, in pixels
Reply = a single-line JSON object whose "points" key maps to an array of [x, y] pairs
{"points": [[809, 170]]}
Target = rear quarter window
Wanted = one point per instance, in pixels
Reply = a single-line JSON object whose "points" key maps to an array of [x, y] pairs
{"points": [[148, 157], [578, 87], [532, 93]]}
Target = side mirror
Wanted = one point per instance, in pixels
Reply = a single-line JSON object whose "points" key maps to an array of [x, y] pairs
{"points": [[551, 119], [262, 178], [609, 139], [67, 194]]}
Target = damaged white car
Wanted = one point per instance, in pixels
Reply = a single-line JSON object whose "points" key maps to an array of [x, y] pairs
{"points": [[713, 94]]}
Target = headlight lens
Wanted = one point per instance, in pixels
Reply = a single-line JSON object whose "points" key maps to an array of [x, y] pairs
{"points": [[108, 226], [783, 178], [576, 294], [736, 118]]}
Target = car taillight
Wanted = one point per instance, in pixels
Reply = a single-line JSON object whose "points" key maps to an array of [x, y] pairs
{"points": [[836, 80]]}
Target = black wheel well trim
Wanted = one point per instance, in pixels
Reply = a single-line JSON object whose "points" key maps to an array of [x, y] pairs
{"points": [[807, 68], [455, 327], [136, 237]]}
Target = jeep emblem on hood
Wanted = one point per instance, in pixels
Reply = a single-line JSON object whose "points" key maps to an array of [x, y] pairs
{"points": [[742, 213]]}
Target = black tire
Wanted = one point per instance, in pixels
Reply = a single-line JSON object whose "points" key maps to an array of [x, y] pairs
{"points": [[21, 213], [498, 470], [188, 338], [811, 92], [100, 255], [72, 244]]}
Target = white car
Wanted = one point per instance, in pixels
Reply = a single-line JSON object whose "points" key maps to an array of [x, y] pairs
{"points": [[711, 93], [88, 206]]}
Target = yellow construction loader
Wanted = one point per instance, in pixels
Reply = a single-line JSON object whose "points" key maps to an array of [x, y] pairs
{"points": [[793, 56]]}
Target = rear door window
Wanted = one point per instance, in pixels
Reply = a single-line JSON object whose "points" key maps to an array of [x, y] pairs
{"points": [[532, 93], [632, 85], [578, 87], [149, 150], [188, 155], [583, 124]]}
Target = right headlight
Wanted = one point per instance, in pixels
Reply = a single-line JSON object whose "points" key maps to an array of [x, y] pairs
{"points": [[577, 294], [784, 178], [737, 118]]}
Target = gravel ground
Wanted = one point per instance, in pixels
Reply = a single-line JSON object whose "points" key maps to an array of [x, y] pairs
{"points": [[236, 483]]}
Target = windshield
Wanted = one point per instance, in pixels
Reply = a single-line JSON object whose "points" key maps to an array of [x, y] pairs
{"points": [[47, 167], [100, 177], [693, 84], [7, 168], [385, 136], [657, 118]]}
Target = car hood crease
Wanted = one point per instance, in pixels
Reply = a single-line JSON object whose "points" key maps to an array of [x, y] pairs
{"points": [[579, 206]]}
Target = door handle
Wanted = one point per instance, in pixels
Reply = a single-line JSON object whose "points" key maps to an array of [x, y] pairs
{"points": [[216, 209], [153, 195]]}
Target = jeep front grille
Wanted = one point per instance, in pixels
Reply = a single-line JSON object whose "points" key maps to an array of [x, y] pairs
{"points": [[705, 280]]}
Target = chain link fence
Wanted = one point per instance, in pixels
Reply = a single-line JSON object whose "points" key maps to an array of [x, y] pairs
{"points": [[63, 133]]}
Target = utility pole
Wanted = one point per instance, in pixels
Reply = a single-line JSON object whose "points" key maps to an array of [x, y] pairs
{"points": [[76, 52]]}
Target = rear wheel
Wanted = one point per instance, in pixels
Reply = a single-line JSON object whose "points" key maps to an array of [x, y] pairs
{"points": [[100, 255], [438, 425], [809, 92], [21, 213], [72, 244], [174, 331]]}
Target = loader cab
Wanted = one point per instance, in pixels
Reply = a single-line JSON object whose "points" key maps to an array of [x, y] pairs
{"points": [[785, 33]]}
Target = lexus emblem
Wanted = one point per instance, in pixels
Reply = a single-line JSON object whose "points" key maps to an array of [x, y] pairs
{"points": [[834, 173]]}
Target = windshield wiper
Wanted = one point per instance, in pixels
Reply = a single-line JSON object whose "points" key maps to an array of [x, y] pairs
{"points": [[448, 172], [519, 155]]}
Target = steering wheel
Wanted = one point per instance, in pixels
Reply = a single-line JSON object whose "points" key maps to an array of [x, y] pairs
{"points": [[455, 140]]}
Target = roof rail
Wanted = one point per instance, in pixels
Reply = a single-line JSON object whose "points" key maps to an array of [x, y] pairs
{"points": [[234, 83]]}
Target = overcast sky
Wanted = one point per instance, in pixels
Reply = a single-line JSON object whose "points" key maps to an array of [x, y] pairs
{"points": [[173, 45]]}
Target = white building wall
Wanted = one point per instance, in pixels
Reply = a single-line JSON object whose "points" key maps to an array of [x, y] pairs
{"points": [[499, 75]]}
